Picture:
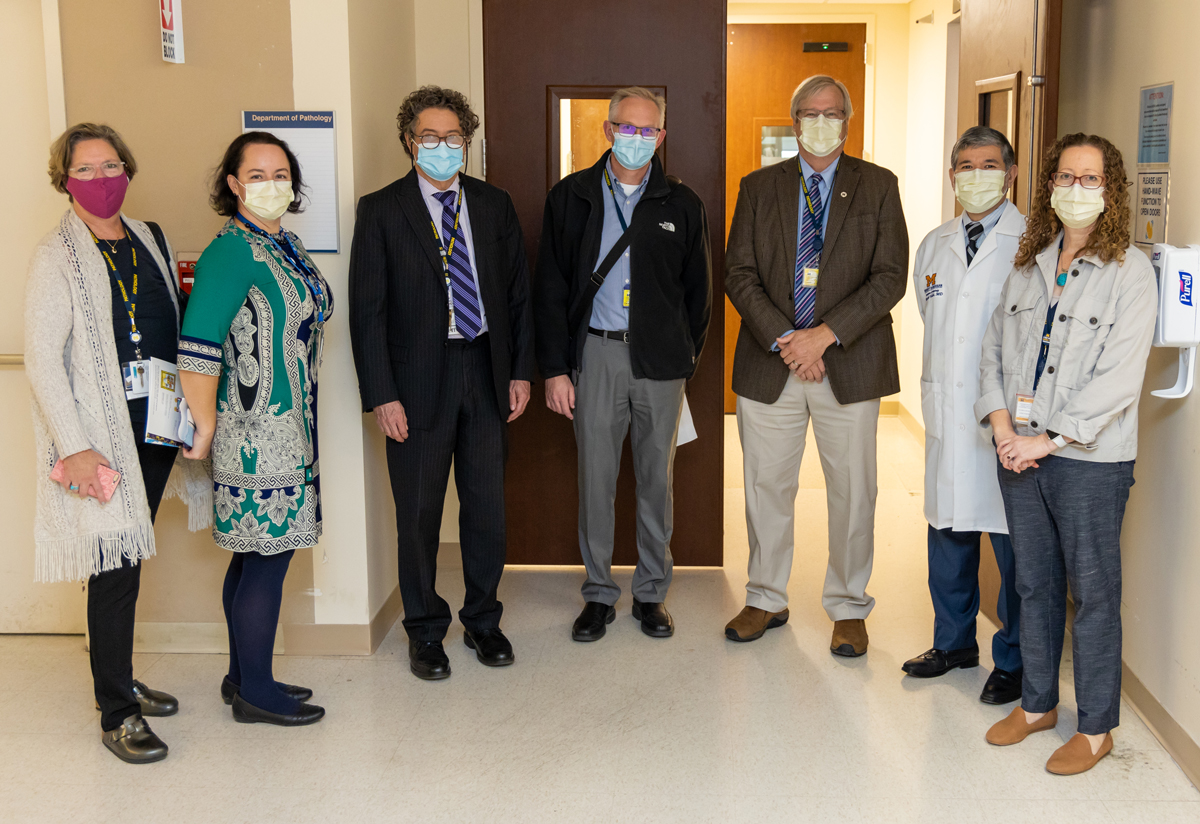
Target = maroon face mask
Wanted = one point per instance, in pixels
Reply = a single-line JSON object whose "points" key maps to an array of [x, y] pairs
{"points": [[102, 196]]}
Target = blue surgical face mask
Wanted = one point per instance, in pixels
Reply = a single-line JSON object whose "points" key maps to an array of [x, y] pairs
{"points": [[441, 163], [633, 151]]}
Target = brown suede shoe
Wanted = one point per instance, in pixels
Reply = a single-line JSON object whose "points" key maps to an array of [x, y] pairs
{"points": [[849, 638], [1014, 729], [752, 622], [1075, 756]]}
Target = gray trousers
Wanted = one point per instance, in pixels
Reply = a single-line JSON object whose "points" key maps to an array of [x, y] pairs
{"points": [[608, 399], [1064, 519]]}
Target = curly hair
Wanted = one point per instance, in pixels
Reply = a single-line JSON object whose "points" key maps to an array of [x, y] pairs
{"points": [[434, 97], [1110, 238], [222, 198]]}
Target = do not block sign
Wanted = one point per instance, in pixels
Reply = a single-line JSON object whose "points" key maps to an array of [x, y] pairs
{"points": [[170, 20]]}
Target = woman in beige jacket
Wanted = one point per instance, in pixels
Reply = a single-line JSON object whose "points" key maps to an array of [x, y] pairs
{"points": [[1063, 362]]}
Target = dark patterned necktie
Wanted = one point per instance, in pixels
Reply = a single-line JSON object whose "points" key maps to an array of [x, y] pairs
{"points": [[467, 316], [808, 256], [974, 233]]}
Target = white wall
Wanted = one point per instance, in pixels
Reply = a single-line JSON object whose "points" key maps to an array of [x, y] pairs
{"points": [[1110, 49]]}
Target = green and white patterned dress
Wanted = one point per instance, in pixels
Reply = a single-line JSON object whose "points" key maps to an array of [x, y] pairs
{"points": [[255, 321]]}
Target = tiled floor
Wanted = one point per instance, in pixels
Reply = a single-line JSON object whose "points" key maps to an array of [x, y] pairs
{"points": [[690, 729]]}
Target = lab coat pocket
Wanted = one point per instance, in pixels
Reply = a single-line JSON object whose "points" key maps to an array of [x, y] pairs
{"points": [[931, 408]]}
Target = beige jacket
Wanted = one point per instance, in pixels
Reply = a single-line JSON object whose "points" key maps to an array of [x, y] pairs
{"points": [[1103, 326]]}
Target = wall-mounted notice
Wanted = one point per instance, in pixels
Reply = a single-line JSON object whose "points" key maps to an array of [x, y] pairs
{"points": [[170, 21], [1150, 209], [312, 138], [1154, 124]]}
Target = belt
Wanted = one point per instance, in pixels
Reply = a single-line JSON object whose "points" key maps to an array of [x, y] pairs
{"points": [[602, 333], [481, 338]]}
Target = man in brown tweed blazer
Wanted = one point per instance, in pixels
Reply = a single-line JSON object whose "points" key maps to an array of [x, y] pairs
{"points": [[817, 258]]}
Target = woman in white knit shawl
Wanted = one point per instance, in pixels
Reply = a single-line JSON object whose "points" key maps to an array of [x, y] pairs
{"points": [[100, 302]]}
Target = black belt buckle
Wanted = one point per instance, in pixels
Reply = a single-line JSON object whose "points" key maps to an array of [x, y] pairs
{"points": [[625, 336]]}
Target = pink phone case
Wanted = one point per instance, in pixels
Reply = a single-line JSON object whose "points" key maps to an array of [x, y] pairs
{"points": [[109, 478]]}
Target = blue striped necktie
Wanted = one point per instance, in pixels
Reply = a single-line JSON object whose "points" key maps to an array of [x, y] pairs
{"points": [[468, 317], [808, 255]]}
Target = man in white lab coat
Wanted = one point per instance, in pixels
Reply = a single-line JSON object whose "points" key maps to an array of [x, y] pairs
{"points": [[959, 271]]}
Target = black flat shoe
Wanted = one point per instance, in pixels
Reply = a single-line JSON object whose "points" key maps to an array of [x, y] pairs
{"points": [[656, 621], [154, 702], [937, 662], [1002, 687], [427, 660], [134, 742], [246, 713], [230, 689], [593, 622], [491, 647]]}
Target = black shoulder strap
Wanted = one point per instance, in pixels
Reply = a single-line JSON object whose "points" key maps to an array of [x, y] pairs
{"points": [[172, 278], [597, 278]]}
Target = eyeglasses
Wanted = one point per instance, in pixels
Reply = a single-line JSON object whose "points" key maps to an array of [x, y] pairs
{"points": [[629, 130], [111, 168], [813, 114], [1065, 179], [431, 141]]}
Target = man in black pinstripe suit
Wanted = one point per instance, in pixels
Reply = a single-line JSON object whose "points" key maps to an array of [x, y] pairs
{"points": [[441, 327]]}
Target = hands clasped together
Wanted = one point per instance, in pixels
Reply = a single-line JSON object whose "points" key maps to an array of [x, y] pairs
{"points": [[803, 351], [1020, 452]]}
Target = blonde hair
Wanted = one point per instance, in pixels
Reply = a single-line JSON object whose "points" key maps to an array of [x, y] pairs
{"points": [[63, 148], [642, 92], [816, 84]]}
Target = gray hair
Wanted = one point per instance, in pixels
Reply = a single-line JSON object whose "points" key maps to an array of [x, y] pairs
{"points": [[642, 92], [978, 136], [816, 84]]}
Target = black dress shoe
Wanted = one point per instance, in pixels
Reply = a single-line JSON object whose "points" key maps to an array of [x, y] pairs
{"points": [[246, 713], [427, 660], [230, 689], [491, 647], [134, 742], [154, 702], [1002, 687], [593, 622], [937, 662], [656, 621]]}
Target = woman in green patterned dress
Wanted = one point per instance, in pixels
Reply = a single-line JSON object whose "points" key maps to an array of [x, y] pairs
{"points": [[248, 359]]}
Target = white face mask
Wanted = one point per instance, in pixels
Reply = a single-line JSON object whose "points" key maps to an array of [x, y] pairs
{"points": [[819, 136], [979, 189], [268, 199], [1076, 206]]}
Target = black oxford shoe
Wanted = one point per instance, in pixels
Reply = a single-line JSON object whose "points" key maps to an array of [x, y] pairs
{"points": [[427, 660], [937, 662], [491, 647], [134, 742], [154, 702], [656, 621], [1001, 687], [593, 622], [246, 713], [230, 689]]}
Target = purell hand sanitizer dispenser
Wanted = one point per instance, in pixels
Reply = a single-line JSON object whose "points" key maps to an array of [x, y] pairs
{"points": [[1178, 272]]}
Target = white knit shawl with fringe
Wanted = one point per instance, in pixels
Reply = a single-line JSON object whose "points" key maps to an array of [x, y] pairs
{"points": [[79, 403]]}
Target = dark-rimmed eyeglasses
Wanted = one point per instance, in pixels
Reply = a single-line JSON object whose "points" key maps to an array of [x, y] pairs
{"points": [[629, 130], [431, 141], [1065, 179]]}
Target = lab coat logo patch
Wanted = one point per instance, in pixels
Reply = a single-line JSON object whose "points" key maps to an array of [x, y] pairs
{"points": [[1185, 288], [933, 289]]}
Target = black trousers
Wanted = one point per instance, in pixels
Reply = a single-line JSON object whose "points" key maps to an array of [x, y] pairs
{"points": [[471, 433], [112, 604]]}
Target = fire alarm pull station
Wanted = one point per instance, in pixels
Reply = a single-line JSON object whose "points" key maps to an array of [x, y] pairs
{"points": [[187, 270], [1178, 324]]}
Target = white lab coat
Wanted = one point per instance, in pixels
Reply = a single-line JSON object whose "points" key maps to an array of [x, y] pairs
{"points": [[961, 489]]}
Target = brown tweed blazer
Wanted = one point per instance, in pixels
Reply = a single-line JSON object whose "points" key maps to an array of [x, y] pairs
{"points": [[864, 272]]}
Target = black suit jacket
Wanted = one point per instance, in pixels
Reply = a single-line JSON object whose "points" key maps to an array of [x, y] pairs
{"points": [[399, 308]]}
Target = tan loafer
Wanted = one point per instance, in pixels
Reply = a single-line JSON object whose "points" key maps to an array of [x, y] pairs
{"points": [[752, 622], [849, 638], [1075, 756], [1014, 729]]}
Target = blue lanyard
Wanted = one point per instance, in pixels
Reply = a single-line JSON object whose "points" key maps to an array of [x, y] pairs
{"points": [[620, 217], [310, 277], [1045, 351]]}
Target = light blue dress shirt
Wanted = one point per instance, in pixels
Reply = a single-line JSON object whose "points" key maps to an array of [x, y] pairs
{"points": [[988, 223], [824, 187], [608, 309]]}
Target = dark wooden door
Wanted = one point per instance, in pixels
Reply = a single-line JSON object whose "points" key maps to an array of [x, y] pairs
{"points": [[1006, 44], [533, 49], [765, 63]]}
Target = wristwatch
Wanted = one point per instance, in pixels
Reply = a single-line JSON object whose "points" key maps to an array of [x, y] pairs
{"points": [[1058, 440]]}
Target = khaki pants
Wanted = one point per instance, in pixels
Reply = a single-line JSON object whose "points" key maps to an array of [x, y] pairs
{"points": [[772, 436]]}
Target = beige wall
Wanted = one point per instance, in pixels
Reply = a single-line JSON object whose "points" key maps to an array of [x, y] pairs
{"points": [[1101, 74]]}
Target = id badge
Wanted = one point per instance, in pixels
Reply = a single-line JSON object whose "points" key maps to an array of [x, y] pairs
{"points": [[625, 298], [137, 379], [1024, 407], [810, 277]]}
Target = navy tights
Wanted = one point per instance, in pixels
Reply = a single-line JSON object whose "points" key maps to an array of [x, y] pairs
{"points": [[252, 594]]}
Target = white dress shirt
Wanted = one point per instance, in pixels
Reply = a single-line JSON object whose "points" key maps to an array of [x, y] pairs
{"points": [[429, 194]]}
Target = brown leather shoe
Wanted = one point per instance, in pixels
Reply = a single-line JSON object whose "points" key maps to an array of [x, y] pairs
{"points": [[1014, 729], [1075, 756], [752, 622], [849, 638]]}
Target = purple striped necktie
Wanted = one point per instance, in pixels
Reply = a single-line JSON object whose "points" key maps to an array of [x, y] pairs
{"points": [[468, 317], [808, 255]]}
